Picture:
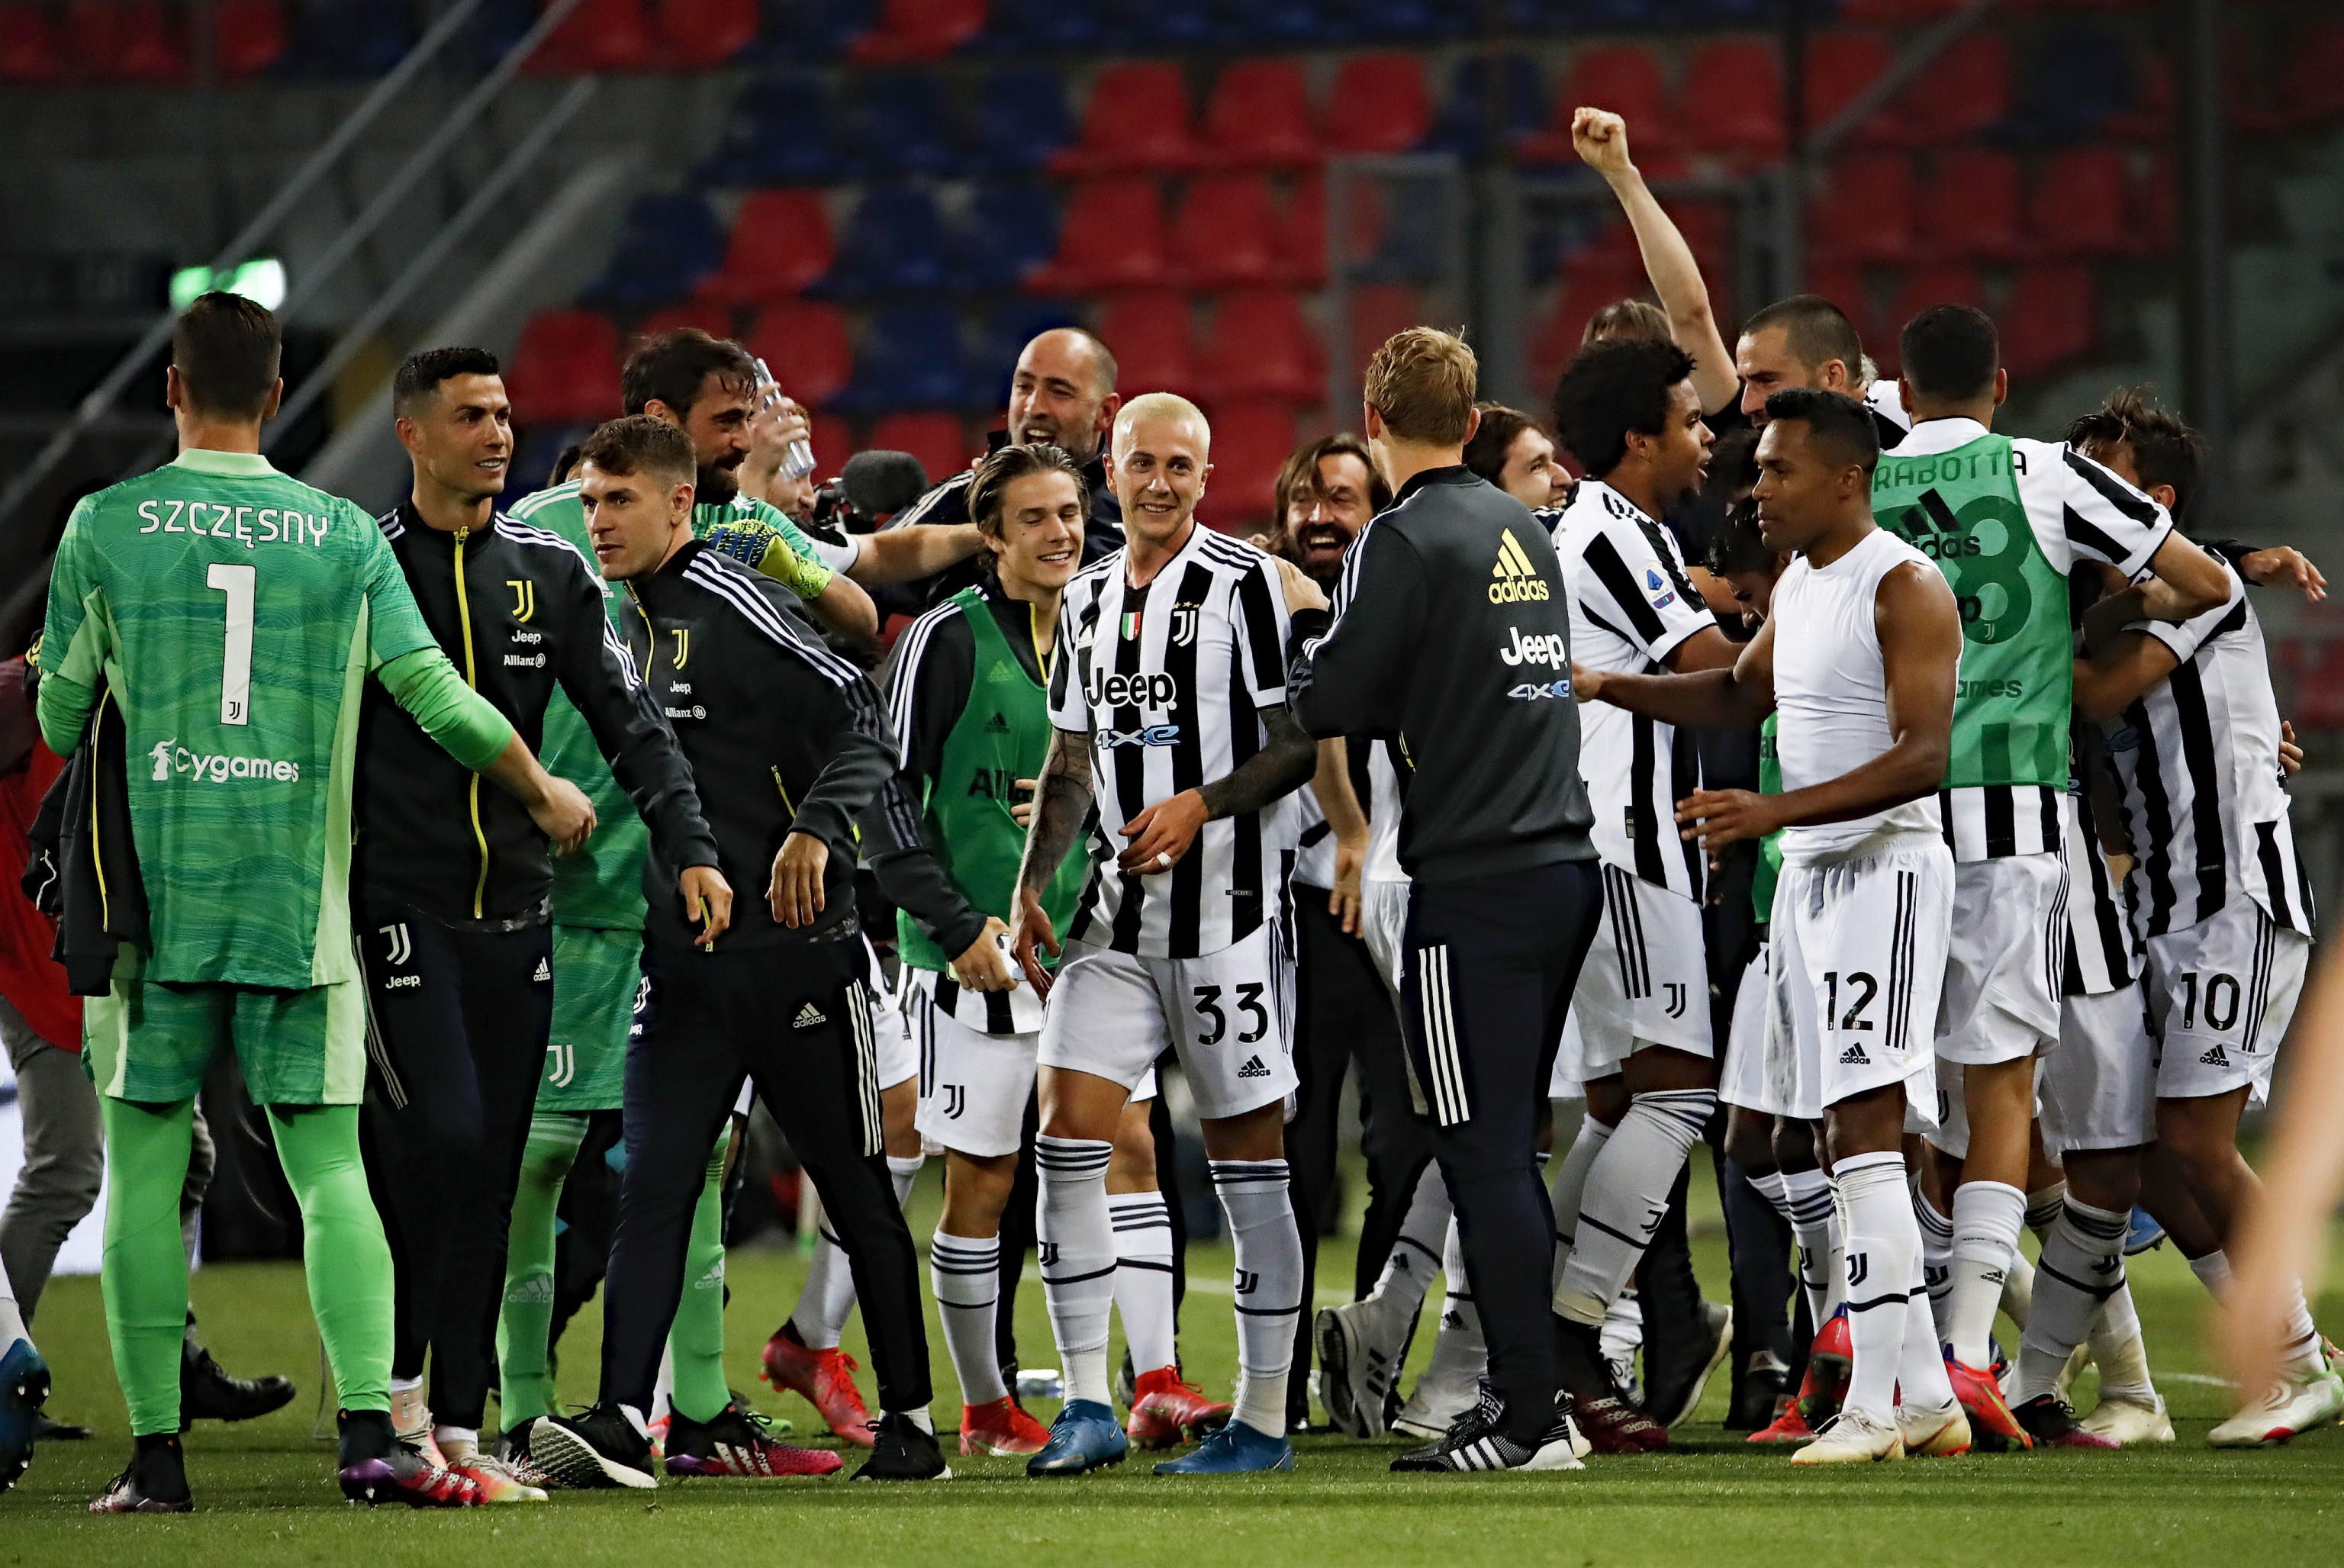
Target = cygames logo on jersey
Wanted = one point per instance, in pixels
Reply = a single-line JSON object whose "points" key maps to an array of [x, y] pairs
{"points": [[1551, 649], [1145, 689], [1517, 579], [172, 759]]}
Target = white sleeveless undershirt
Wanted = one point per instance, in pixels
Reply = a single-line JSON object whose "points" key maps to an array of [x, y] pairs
{"points": [[1831, 690]]}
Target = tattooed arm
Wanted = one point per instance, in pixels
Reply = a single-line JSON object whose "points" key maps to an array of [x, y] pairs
{"points": [[1061, 801]]}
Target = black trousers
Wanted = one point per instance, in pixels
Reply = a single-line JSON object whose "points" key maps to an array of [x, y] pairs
{"points": [[1343, 1014], [460, 1024], [1490, 963], [796, 1020]]}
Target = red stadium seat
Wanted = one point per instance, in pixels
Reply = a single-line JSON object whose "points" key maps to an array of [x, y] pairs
{"points": [[1251, 440], [1227, 232], [1978, 218], [32, 50], [134, 42], [937, 439], [913, 30], [1376, 311], [1864, 212], [248, 35], [1380, 104], [2052, 319], [700, 35], [566, 370], [781, 242], [1302, 234], [2156, 206], [599, 35], [2081, 204], [716, 320], [1966, 89], [2150, 117], [1148, 330], [1624, 78], [1261, 345], [2311, 83], [1600, 275], [805, 343], [1136, 118], [1113, 239], [1839, 66], [1258, 117], [1844, 286], [833, 442], [1947, 284], [1732, 99]]}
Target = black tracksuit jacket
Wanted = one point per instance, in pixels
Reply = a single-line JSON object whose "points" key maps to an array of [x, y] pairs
{"points": [[519, 610], [781, 734], [1435, 609]]}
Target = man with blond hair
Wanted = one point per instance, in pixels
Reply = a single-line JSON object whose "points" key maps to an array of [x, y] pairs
{"points": [[1451, 627], [1167, 712]]}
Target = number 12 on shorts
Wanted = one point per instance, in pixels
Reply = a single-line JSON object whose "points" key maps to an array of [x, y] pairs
{"points": [[1249, 1001], [1861, 988]]}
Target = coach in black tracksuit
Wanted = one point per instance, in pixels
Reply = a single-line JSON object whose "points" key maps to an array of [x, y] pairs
{"points": [[1438, 590], [451, 880], [788, 743]]}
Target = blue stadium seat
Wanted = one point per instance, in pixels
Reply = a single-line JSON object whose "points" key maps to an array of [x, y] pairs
{"points": [[895, 244], [1020, 27], [1267, 24], [1021, 119], [779, 133], [897, 124], [337, 38], [1396, 21], [1463, 125], [2079, 75], [801, 32], [1013, 324], [668, 242], [1410, 252], [911, 359], [1008, 230], [494, 29], [1160, 27]]}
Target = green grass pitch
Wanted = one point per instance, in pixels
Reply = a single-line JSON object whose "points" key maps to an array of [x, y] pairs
{"points": [[265, 1492]]}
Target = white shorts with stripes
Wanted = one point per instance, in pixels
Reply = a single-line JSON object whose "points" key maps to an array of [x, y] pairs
{"points": [[1229, 1015], [2009, 955], [2221, 993], [1859, 958], [897, 1054], [1646, 980], [974, 1087], [2098, 1089], [1742, 1079]]}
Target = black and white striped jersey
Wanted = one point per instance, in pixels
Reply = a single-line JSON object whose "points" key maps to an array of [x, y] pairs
{"points": [[1631, 605], [1884, 399], [1314, 854], [2102, 954], [2205, 800], [1387, 774], [2075, 507], [1169, 681]]}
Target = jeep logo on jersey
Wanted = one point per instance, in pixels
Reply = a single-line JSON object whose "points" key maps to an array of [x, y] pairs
{"points": [[1154, 689], [172, 759], [1551, 648], [1517, 579]]}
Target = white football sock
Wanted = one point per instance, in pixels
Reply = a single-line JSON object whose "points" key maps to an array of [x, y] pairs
{"points": [[1627, 1195], [1074, 1232], [828, 1294], [1807, 1202], [1921, 1378], [2082, 1268], [1569, 1187], [1769, 1186], [1884, 1245], [11, 1321], [1143, 1276], [1936, 1260], [1459, 1353], [1987, 1218], [2302, 1354], [2018, 1290], [2213, 1271], [964, 1272], [2043, 1207], [2119, 1351], [903, 1170], [1268, 1249], [1838, 1296]]}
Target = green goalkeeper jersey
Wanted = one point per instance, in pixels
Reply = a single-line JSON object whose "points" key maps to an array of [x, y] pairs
{"points": [[234, 614], [602, 884]]}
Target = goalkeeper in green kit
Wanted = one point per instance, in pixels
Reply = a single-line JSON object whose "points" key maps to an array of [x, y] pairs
{"points": [[231, 616]]}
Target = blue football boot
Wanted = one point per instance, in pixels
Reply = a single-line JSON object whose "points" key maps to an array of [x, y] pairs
{"points": [[2142, 1233], [24, 1388], [1236, 1450], [1083, 1438]]}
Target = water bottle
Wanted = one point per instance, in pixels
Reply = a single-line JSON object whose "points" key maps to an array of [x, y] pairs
{"points": [[798, 460]]}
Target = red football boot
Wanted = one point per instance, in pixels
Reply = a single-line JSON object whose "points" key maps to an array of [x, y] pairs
{"points": [[1165, 1410], [1001, 1429], [1831, 1362], [735, 1441], [827, 1380], [1789, 1425]]}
